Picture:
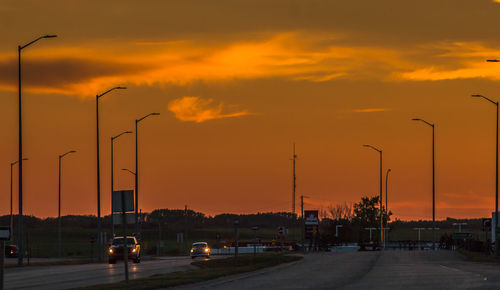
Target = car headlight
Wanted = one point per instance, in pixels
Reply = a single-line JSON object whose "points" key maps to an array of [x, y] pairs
{"points": [[207, 250], [134, 250], [192, 250], [111, 251]]}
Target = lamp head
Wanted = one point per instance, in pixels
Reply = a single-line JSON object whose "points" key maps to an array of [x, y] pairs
{"points": [[49, 36], [477, 96], [492, 60], [121, 88], [155, 114], [416, 119]]}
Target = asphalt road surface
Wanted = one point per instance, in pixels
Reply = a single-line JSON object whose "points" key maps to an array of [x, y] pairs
{"points": [[70, 276], [368, 270]]}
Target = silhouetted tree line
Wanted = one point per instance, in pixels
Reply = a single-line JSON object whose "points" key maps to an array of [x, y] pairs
{"points": [[353, 218], [172, 218]]}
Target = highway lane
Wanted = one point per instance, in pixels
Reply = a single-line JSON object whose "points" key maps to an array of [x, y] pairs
{"points": [[70, 276], [393, 269]]}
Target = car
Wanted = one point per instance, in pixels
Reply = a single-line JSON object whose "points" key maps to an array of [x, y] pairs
{"points": [[11, 251], [115, 251], [200, 249]]}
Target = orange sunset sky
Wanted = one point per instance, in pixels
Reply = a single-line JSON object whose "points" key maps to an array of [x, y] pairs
{"points": [[236, 83]]}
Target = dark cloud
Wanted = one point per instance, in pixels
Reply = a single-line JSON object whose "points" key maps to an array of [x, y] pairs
{"points": [[58, 73]]}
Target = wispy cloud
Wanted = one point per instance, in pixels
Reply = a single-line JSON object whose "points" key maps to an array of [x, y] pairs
{"points": [[315, 57], [455, 60], [83, 70], [195, 109]]}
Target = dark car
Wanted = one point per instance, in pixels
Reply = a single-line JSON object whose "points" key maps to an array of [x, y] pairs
{"points": [[116, 249], [200, 249], [11, 251]]}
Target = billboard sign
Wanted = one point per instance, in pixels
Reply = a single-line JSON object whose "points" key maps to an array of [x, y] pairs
{"points": [[311, 217], [4, 233], [129, 217], [117, 200], [311, 223]]}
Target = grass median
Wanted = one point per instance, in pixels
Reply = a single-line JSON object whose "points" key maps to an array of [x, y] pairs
{"points": [[479, 256], [207, 270]]}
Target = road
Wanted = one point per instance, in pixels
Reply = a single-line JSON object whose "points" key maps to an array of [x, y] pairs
{"points": [[70, 276], [392, 269]]}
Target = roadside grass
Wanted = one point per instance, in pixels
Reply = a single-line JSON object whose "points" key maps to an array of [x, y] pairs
{"points": [[207, 270], [479, 256], [51, 263], [42, 241]]}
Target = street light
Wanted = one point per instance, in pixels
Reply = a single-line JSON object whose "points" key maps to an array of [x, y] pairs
{"points": [[112, 177], [386, 199], [20, 158], [59, 243], [11, 216], [433, 182], [381, 219], [131, 172], [303, 222], [99, 221], [497, 242], [137, 171]]}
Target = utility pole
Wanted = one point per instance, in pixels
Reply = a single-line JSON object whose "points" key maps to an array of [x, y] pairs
{"points": [[185, 226], [99, 220], [303, 224], [497, 241], [386, 235], [380, 201], [294, 179], [59, 243], [433, 126], [20, 152]]}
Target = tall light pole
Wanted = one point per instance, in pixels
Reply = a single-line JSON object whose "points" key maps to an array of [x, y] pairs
{"points": [[11, 216], [386, 200], [137, 170], [497, 241], [20, 158], [381, 216], [112, 174], [99, 220], [303, 221], [294, 185], [59, 243], [433, 182]]}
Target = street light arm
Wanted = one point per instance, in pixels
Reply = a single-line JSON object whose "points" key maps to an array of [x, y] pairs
{"points": [[372, 147], [14, 163], [125, 132], [418, 119], [69, 152], [41, 37], [486, 98], [125, 169], [150, 114], [112, 89]]}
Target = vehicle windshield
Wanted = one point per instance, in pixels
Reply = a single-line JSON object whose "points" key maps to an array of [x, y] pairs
{"points": [[199, 246], [119, 241]]}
